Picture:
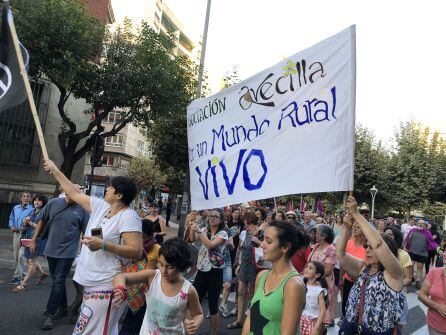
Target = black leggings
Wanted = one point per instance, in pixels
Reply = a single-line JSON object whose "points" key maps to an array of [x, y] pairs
{"points": [[212, 283]]}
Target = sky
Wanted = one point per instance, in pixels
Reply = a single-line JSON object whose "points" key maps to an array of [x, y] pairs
{"points": [[400, 48]]}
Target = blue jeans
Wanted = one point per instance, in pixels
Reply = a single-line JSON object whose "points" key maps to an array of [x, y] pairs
{"points": [[59, 270]]}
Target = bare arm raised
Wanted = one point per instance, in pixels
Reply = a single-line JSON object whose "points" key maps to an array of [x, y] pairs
{"points": [[69, 188]]}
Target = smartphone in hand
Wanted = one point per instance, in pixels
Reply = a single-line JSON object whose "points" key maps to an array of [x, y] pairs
{"points": [[96, 232]]}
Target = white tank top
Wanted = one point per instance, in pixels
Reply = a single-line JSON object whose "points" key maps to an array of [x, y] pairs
{"points": [[164, 315]]}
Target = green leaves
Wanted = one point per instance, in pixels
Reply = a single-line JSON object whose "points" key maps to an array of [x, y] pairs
{"points": [[146, 173], [409, 176]]}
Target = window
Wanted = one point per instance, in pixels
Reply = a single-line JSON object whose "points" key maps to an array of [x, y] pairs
{"points": [[124, 163], [141, 146], [108, 160], [18, 143], [114, 141], [114, 117]]}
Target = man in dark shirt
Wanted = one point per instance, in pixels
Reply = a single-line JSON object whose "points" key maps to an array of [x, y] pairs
{"points": [[67, 221]]}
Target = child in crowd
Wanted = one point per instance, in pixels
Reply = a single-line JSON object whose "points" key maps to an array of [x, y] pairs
{"points": [[311, 322], [133, 320], [169, 296]]}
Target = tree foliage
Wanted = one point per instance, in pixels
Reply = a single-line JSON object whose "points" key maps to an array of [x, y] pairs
{"points": [[146, 173], [132, 70]]}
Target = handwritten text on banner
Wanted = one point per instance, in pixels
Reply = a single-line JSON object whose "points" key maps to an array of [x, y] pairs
{"points": [[289, 129]]}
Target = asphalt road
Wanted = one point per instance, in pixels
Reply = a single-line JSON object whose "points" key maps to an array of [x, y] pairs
{"points": [[22, 313]]}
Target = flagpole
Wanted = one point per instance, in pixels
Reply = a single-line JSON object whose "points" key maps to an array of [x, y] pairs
{"points": [[32, 104]]}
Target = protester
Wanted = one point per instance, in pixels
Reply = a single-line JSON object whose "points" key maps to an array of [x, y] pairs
{"points": [[406, 264], [418, 243], [280, 288], [168, 211], [308, 221], [191, 219], [211, 262], [324, 252], [355, 247], [66, 220], [133, 321], [280, 216], [261, 214], [431, 252], [18, 214], [375, 302], [227, 275], [337, 226], [381, 226], [432, 295], [103, 254], [312, 319], [291, 217], [30, 224], [246, 267], [407, 227], [173, 306], [160, 223]]}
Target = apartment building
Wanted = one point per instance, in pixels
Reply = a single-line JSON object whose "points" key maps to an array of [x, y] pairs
{"points": [[131, 142]]}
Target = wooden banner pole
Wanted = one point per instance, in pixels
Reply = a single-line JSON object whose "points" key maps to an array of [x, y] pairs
{"points": [[28, 88]]}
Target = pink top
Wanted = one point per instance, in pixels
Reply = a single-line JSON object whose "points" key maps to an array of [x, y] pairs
{"points": [[326, 255], [434, 319]]}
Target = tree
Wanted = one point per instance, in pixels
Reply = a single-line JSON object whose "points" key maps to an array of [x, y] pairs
{"points": [[411, 176], [370, 167], [131, 70], [146, 173], [231, 77]]}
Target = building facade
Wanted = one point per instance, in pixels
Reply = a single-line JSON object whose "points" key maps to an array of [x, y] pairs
{"points": [[21, 167], [131, 142]]}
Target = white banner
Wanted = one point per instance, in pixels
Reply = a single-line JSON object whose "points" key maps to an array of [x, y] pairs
{"points": [[286, 130]]}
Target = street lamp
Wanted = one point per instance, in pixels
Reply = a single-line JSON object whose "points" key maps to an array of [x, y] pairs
{"points": [[373, 192]]}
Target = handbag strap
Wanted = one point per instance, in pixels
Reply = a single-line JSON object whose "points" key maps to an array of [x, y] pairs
{"points": [[361, 305]]}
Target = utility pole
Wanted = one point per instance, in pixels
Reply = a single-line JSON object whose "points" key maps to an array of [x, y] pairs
{"points": [[185, 203]]}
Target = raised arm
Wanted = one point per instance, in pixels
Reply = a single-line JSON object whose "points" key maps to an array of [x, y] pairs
{"points": [[385, 257], [68, 187], [349, 263]]}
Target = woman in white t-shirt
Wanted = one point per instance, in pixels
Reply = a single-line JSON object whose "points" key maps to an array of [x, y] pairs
{"points": [[113, 235]]}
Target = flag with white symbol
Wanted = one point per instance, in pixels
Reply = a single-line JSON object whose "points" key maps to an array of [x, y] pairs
{"points": [[12, 88]]}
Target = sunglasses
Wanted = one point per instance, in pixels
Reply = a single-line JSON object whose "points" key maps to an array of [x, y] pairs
{"points": [[366, 246], [290, 217]]}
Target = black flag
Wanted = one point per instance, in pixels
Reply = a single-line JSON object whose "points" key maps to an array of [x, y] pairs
{"points": [[12, 87]]}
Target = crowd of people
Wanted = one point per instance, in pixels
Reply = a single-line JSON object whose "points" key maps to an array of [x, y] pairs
{"points": [[274, 259]]}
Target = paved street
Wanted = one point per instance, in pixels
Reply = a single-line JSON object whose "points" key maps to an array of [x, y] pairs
{"points": [[22, 313]]}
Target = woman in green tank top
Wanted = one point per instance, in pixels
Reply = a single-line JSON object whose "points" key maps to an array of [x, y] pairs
{"points": [[280, 288]]}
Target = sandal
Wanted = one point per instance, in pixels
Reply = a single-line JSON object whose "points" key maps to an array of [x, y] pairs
{"points": [[235, 325], [19, 288], [42, 278]]}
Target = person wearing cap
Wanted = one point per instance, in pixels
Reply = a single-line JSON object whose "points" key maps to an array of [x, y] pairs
{"points": [[291, 217]]}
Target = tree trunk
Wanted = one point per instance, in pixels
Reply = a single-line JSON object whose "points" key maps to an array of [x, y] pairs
{"points": [[69, 159]]}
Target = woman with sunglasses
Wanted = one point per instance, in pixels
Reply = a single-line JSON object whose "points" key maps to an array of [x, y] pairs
{"points": [[211, 262], [376, 300]]}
